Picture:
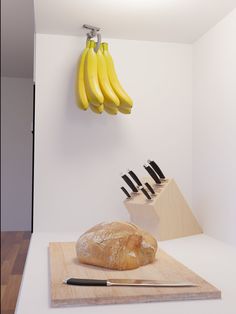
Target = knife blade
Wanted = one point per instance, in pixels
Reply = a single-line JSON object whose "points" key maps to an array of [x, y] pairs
{"points": [[126, 282], [134, 177], [156, 168], [129, 182], [153, 174], [126, 192]]}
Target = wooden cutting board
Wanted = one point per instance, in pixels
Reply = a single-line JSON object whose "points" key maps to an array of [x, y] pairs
{"points": [[64, 264]]}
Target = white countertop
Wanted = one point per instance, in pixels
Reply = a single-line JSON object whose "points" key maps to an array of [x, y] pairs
{"points": [[213, 260]]}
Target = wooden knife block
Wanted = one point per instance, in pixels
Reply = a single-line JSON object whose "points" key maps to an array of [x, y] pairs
{"points": [[166, 216]]}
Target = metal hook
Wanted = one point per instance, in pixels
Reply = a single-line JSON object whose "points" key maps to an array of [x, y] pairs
{"points": [[93, 33], [98, 42]]}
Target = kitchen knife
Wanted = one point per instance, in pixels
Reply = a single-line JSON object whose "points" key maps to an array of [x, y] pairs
{"points": [[129, 182], [145, 193], [150, 188], [156, 168], [134, 177], [126, 192], [126, 282], [152, 174]]}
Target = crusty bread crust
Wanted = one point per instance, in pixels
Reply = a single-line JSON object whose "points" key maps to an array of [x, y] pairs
{"points": [[116, 245]]}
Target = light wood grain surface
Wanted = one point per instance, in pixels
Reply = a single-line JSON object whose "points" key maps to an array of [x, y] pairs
{"points": [[167, 216], [64, 264]]}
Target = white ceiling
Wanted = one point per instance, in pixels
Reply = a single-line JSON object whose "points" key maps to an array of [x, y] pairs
{"points": [[181, 21], [158, 20], [17, 40]]}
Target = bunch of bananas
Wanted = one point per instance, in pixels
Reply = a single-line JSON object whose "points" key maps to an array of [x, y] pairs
{"points": [[97, 84]]}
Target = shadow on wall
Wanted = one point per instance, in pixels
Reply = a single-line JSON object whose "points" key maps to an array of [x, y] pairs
{"points": [[91, 132]]}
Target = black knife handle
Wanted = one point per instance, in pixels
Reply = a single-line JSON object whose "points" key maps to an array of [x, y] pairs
{"points": [[85, 282], [150, 188], [126, 192], [134, 177], [152, 174], [156, 168], [129, 182], [146, 193]]}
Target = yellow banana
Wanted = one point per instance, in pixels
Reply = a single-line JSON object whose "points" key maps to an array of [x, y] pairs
{"points": [[124, 110], [92, 87], [110, 98], [110, 110], [125, 100], [81, 97], [96, 109]]}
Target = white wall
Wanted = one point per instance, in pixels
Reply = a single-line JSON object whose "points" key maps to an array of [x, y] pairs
{"points": [[16, 144], [79, 155], [214, 129]]}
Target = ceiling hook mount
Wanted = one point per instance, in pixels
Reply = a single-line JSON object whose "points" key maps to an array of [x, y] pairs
{"points": [[93, 33]]}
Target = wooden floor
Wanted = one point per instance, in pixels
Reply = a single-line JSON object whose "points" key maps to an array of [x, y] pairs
{"points": [[14, 248]]}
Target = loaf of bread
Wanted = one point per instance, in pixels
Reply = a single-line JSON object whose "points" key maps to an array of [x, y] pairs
{"points": [[116, 245]]}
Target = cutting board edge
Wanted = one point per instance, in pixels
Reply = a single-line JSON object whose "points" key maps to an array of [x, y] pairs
{"points": [[214, 295]]}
